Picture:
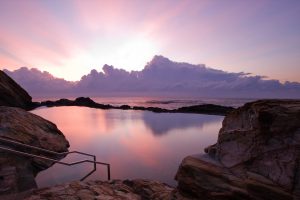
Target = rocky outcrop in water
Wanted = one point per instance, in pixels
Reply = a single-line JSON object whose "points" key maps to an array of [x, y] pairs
{"points": [[13, 95], [17, 172], [87, 102], [80, 101], [257, 156], [205, 109]]}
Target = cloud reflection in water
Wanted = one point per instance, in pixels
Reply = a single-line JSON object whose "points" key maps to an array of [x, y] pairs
{"points": [[129, 141]]}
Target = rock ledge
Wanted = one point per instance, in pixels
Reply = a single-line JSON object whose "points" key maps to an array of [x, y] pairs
{"points": [[257, 156], [108, 190]]}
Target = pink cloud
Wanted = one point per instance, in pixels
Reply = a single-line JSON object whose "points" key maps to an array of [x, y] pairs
{"points": [[40, 35]]}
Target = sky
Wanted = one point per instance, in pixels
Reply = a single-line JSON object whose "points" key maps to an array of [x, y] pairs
{"points": [[69, 38]]}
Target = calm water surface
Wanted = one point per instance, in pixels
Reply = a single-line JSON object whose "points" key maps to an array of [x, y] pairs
{"points": [[137, 144]]}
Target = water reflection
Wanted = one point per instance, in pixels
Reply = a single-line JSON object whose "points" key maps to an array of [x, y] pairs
{"points": [[128, 140], [163, 123]]}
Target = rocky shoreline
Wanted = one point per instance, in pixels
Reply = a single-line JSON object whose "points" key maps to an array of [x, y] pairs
{"points": [[210, 109], [107, 190]]}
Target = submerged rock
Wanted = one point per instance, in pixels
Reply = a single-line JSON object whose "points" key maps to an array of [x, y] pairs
{"points": [[12, 94], [257, 156], [17, 172]]}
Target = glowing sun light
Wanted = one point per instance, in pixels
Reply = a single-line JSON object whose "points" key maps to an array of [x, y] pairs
{"points": [[130, 54], [135, 53]]}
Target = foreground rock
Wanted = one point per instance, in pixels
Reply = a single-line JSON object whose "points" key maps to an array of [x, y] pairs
{"points": [[11, 94], [113, 190], [87, 102], [256, 157], [17, 173]]}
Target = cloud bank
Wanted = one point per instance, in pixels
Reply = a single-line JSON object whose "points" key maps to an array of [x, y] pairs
{"points": [[39, 83], [161, 77]]}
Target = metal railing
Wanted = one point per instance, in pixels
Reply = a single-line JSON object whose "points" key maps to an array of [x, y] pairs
{"points": [[61, 154]]}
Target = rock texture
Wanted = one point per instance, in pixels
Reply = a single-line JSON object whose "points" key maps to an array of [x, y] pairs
{"points": [[257, 156], [113, 190], [13, 95], [17, 172]]}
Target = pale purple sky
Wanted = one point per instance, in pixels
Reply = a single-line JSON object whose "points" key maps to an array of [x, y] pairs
{"points": [[69, 38]]}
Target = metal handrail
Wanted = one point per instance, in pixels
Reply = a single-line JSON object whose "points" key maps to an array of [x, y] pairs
{"points": [[94, 161]]}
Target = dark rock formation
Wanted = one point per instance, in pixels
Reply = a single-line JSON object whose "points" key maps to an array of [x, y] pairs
{"points": [[206, 109], [13, 95], [87, 102], [125, 107], [17, 172], [80, 101], [257, 156]]}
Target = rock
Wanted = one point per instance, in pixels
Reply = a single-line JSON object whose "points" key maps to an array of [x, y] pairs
{"points": [[206, 109], [13, 95], [125, 107], [264, 135], [84, 101], [128, 189], [202, 177], [256, 156], [87, 102], [17, 172], [157, 110], [80, 101]]}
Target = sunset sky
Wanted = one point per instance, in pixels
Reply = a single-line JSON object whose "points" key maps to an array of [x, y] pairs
{"points": [[68, 38]]}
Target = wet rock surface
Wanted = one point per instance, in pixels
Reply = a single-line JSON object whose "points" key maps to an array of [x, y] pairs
{"points": [[17, 172], [256, 157], [12, 94]]}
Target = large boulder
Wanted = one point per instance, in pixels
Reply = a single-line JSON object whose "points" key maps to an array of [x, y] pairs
{"points": [[257, 155], [17, 172], [12, 94]]}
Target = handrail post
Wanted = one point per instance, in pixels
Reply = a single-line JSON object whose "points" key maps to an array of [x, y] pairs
{"points": [[108, 172]]}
